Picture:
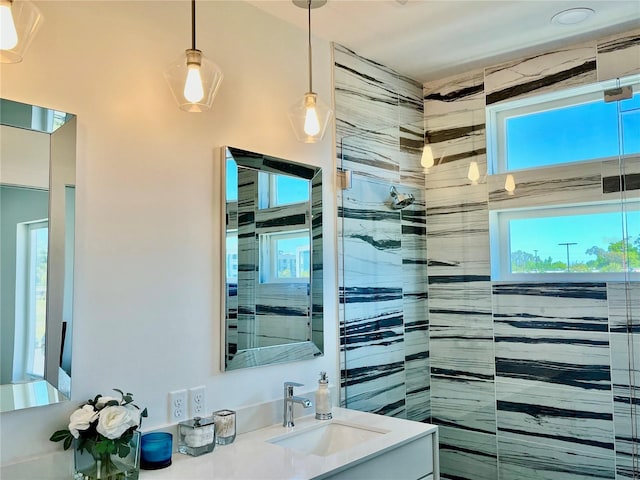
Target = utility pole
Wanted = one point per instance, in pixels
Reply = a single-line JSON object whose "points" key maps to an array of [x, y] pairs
{"points": [[567, 245], [535, 259]]}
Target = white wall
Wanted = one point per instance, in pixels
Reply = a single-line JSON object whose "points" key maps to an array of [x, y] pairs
{"points": [[25, 157], [147, 249]]}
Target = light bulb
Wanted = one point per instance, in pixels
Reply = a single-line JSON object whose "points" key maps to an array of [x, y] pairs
{"points": [[311, 120], [193, 90], [474, 173], [8, 33], [510, 184], [427, 157]]}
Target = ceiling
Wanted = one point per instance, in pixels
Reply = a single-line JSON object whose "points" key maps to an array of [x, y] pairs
{"points": [[431, 39]]}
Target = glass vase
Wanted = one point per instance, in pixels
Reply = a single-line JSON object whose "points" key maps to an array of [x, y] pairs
{"points": [[94, 466]]}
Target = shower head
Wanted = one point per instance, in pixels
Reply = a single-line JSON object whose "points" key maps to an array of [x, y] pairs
{"points": [[400, 200]]}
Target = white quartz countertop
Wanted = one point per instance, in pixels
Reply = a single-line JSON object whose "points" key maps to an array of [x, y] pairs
{"points": [[252, 457]]}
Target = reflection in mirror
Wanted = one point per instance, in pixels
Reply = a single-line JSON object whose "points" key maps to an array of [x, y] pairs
{"points": [[273, 277], [37, 212]]}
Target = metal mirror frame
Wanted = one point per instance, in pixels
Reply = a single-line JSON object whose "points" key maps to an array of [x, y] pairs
{"points": [[289, 352], [56, 385]]}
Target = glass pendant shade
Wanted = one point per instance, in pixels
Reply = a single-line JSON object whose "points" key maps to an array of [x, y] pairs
{"points": [[510, 184], [474, 173], [19, 23], [426, 160], [309, 118], [194, 81]]}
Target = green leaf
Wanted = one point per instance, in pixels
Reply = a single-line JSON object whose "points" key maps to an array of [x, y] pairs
{"points": [[60, 435], [87, 444], [123, 450], [68, 442], [101, 447]]}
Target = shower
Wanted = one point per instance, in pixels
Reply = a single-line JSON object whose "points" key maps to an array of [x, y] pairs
{"points": [[400, 200]]}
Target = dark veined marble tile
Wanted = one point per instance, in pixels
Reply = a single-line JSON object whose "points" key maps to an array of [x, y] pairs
{"points": [[532, 460], [466, 455]]}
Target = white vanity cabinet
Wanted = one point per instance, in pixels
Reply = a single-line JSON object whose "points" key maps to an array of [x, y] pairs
{"points": [[411, 461]]}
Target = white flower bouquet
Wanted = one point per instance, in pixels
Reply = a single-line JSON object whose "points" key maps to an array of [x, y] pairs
{"points": [[103, 427]]}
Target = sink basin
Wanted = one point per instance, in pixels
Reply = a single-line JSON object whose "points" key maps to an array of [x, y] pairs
{"points": [[327, 438]]}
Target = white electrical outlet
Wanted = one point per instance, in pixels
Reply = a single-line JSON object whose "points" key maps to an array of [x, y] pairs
{"points": [[197, 401], [178, 405]]}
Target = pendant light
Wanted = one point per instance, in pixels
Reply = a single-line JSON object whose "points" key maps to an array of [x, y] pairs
{"points": [[194, 80], [474, 173], [310, 116], [426, 159], [510, 184], [19, 22]]}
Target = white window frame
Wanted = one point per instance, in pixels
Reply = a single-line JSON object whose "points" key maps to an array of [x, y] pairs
{"points": [[231, 238], [25, 299], [496, 116], [500, 243], [268, 260], [268, 190]]}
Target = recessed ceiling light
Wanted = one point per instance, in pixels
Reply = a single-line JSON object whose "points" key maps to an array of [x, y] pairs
{"points": [[572, 16]]}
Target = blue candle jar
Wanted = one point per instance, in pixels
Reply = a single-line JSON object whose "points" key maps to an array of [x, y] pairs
{"points": [[156, 450]]}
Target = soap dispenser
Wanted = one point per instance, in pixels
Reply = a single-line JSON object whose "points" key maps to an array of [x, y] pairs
{"points": [[323, 398]]}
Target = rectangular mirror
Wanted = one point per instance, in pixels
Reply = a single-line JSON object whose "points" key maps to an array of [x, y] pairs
{"points": [[273, 306], [37, 224]]}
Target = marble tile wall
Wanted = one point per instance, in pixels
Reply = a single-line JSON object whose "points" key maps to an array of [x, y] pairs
{"points": [[459, 275], [247, 258], [553, 374], [525, 381], [317, 272], [624, 326], [383, 284]]}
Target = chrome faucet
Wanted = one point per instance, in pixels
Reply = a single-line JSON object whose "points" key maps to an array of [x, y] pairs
{"points": [[289, 400]]}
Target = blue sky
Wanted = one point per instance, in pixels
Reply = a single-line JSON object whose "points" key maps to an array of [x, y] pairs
{"points": [[581, 132], [288, 189], [544, 234]]}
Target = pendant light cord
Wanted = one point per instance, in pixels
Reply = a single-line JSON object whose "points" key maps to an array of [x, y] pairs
{"points": [[309, 24], [193, 24]]}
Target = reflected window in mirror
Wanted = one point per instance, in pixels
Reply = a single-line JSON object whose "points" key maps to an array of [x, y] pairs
{"points": [[276, 190], [273, 260], [31, 266], [285, 256]]}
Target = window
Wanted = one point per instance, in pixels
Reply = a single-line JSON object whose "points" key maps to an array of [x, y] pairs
{"points": [[596, 240], [562, 127], [231, 187], [31, 300], [285, 257], [287, 190], [558, 243], [46, 120], [276, 190], [232, 257]]}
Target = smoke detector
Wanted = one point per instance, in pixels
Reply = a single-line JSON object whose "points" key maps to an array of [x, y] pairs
{"points": [[572, 16]]}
